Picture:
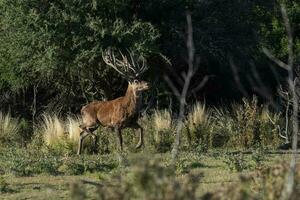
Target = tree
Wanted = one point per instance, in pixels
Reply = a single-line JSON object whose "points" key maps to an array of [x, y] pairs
{"points": [[56, 45]]}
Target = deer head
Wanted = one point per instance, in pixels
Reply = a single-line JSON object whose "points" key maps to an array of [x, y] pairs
{"points": [[139, 86], [130, 66]]}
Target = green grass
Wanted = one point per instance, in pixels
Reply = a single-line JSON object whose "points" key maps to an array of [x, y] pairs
{"points": [[212, 169], [209, 161]]}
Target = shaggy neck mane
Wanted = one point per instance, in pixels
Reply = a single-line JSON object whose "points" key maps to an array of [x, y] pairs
{"points": [[132, 99]]}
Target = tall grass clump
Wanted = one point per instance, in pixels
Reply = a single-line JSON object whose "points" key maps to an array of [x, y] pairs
{"points": [[162, 122], [73, 130], [222, 127], [61, 135], [254, 125], [198, 127], [246, 123], [52, 129], [269, 128], [9, 129]]}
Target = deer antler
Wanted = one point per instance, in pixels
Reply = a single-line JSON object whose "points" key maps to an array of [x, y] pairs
{"points": [[129, 68]]}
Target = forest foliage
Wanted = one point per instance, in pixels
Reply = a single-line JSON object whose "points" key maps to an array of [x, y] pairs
{"points": [[50, 52]]}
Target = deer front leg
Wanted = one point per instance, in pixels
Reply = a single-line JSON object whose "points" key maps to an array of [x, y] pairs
{"points": [[119, 133]]}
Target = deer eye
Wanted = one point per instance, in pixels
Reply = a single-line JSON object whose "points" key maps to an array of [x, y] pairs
{"points": [[135, 81]]}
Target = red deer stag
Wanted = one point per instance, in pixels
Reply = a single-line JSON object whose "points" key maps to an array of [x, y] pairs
{"points": [[122, 112]]}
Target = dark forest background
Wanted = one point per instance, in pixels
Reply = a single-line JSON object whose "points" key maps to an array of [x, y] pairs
{"points": [[50, 50]]}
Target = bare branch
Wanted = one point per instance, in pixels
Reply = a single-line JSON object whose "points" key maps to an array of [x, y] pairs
{"points": [[201, 84], [188, 77], [275, 60], [172, 86]]}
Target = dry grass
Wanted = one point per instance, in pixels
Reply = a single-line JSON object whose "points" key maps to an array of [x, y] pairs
{"points": [[162, 124], [52, 129], [197, 116], [73, 129], [63, 134], [8, 127], [162, 120]]}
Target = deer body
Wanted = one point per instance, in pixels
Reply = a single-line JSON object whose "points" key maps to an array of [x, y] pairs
{"points": [[117, 114]]}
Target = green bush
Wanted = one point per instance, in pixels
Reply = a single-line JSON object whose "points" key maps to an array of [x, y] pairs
{"points": [[269, 183], [239, 162], [147, 179], [246, 125], [27, 162], [80, 165], [4, 186]]}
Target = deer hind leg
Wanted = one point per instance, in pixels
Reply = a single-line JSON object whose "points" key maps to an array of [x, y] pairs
{"points": [[83, 135], [85, 132], [141, 135]]}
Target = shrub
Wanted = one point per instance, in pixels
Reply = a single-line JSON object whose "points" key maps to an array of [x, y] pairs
{"points": [[269, 183], [239, 162], [148, 179], [27, 162], [79, 165], [247, 125], [4, 186]]}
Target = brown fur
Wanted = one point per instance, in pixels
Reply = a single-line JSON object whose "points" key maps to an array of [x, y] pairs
{"points": [[118, 114]]}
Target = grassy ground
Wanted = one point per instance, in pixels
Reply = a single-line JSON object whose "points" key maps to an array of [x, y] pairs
{"points": [[212, 168]]}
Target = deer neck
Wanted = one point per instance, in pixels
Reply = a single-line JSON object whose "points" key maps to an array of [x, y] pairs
{"points": [[132, 100]]}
